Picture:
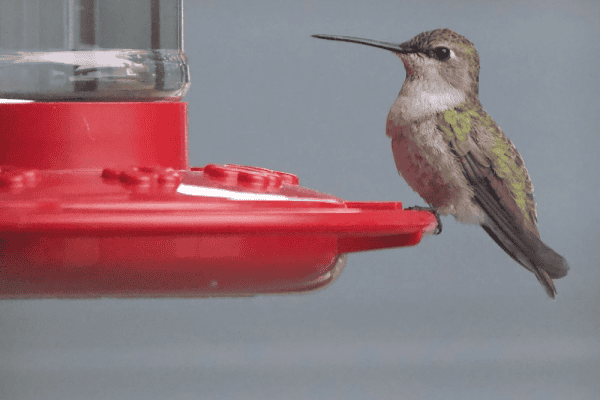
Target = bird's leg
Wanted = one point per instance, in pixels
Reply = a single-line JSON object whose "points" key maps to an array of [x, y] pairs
{"points": [[433, 210]]}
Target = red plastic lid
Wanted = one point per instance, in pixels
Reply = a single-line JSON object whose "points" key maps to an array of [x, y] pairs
{"points": [[93, 135]]}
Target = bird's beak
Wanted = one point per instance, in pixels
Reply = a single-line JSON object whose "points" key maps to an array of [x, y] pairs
{"points": [[401, 48]]}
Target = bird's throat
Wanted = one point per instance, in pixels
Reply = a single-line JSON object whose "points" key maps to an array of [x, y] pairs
{"points": [[420, 98]]}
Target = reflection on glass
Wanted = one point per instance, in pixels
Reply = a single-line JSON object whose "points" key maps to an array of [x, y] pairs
{"points": [[92, 50]]}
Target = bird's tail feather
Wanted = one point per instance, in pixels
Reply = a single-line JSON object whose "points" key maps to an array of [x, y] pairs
{"points": [[528, 250]]}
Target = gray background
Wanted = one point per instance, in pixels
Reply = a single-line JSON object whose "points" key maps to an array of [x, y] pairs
{"points": [[452, 318]]}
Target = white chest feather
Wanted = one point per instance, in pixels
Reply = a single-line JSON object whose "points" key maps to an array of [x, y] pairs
{"points": [[420, 99]]}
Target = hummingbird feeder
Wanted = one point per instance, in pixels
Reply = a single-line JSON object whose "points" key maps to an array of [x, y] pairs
{"points": [[97, 197]]}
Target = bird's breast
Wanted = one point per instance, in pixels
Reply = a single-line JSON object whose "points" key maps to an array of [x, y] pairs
{"points": [[425, 161]]}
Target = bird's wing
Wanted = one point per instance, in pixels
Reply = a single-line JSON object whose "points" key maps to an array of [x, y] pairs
{"points": [[502, 188], [491, 162]]}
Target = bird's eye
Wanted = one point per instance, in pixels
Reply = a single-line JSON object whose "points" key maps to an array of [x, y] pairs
{"points": [[440, 53]]}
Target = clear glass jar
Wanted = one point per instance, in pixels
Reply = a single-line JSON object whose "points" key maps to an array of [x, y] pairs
{"points": [[92, 50]]}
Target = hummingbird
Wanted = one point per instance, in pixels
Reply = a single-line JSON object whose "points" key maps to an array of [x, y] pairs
{"points": [[453, 154]]}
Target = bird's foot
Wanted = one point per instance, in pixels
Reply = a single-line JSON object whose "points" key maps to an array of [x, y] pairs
{"points": [[433, 210]]}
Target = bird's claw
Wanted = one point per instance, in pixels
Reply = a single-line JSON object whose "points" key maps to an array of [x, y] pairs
{"points": [[433, 210]]}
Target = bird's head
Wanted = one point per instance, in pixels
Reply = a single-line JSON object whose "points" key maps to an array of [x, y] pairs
{"points": [[435, 58]]}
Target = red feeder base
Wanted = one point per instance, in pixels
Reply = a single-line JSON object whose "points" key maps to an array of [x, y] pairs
{"points": [[98, 200]]}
